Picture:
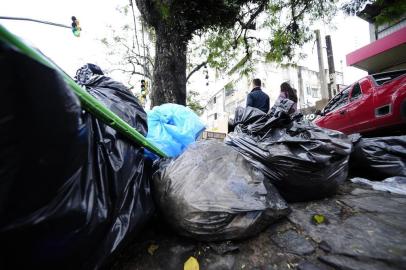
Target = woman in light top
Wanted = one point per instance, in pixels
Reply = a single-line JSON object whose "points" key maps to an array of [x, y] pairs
{"points": [[287, 100]]}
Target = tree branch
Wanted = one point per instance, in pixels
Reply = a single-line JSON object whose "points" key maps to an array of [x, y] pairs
{"points": [[149, 58], [134, 57], [257, 39], [197, 68], [245, 26], [253, 16], [129, 71]]}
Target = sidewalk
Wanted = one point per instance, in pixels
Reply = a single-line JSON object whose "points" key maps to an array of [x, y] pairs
{"points": [[363, 229]]}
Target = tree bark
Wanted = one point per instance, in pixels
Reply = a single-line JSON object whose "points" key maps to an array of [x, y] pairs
{"points": [[169, 78]]}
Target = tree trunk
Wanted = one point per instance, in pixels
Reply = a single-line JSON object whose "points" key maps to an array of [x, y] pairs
{"points": [[169, 79]]}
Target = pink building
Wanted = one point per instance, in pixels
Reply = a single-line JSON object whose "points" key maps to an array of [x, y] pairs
{"points": [[387, 50]]}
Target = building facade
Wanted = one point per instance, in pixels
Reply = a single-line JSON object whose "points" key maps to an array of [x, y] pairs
{"points": [[387, 48], [222, 104]]}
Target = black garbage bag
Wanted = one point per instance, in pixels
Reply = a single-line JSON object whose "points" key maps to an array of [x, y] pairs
{"points": [[379, 158], [211, 192], [73, 190], [303, 161], [242, 115], [248, 116]]}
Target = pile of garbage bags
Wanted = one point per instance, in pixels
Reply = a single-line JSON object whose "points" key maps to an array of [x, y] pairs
{"points": [[222, 191], [304, 161], [72, 189], [211, 192]]}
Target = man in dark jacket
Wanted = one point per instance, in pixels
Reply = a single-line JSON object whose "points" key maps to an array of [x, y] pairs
{"points": [[257, 98]]}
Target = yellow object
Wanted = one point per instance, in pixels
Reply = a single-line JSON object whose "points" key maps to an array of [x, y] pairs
{"points": [[319, 219], [191, 264], [152, 248]]}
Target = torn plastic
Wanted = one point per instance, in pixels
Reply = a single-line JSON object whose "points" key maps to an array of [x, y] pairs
{"points": [[172, 127], [379, 158], [211, 192], [303, 161], [395, 184], [73, 190]]}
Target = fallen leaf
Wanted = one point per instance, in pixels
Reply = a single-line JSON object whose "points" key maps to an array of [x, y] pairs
{"points": [[152, 248], [191, 264], [319, 219]]}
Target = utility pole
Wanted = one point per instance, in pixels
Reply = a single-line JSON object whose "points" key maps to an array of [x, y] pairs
{"points": [[300, 86], [331, 69], [322, 75]]}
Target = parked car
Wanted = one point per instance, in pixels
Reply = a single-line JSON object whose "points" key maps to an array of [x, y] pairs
{"points": [[375, 103]]}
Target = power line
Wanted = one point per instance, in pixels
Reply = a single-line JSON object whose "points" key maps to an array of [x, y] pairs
{"points": [[34, 20], [135, 27], [143, 45]]}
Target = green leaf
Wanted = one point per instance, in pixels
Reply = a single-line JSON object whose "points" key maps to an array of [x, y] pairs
{"points": [[318, 219], [239, 65]]}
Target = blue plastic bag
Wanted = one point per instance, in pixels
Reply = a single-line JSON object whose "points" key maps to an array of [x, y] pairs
{"points": [[172, 127]]}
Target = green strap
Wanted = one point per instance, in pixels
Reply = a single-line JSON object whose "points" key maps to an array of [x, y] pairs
{"points": [[88, 102]]}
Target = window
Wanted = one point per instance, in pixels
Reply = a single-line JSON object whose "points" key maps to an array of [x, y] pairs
{"points": [[382, 111], [308, 91], [215, 116], [356, 92], [315, 92], [382, 78], [214, 100], [338, 101], [229, 92]]}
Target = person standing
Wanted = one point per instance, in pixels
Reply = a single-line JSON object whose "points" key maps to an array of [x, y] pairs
{"points": [[287, 92], [257, 98]]}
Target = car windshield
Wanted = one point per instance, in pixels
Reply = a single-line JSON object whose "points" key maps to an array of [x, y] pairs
{"points": [[338, 101]]}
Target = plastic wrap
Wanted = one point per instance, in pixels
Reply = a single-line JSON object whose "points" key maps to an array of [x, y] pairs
{"points": [[396, 184], [73, 190], [302, 160], [172, 127], [211, 192]]}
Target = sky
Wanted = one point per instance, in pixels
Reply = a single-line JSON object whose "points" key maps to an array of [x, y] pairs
{"points": [[348, 33], [70, 52]]}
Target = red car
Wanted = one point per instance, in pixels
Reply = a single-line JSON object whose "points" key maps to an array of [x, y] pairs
{"points": [[374, 104]]}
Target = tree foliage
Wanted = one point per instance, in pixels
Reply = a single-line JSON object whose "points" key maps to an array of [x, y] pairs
{"points": [[270, 31], [386, 11], [128, 50], [229, 24], [194, 103]]}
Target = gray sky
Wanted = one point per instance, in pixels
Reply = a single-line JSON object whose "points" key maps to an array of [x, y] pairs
{"points": [[347, 34], [60, 44], [70, 52]]}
